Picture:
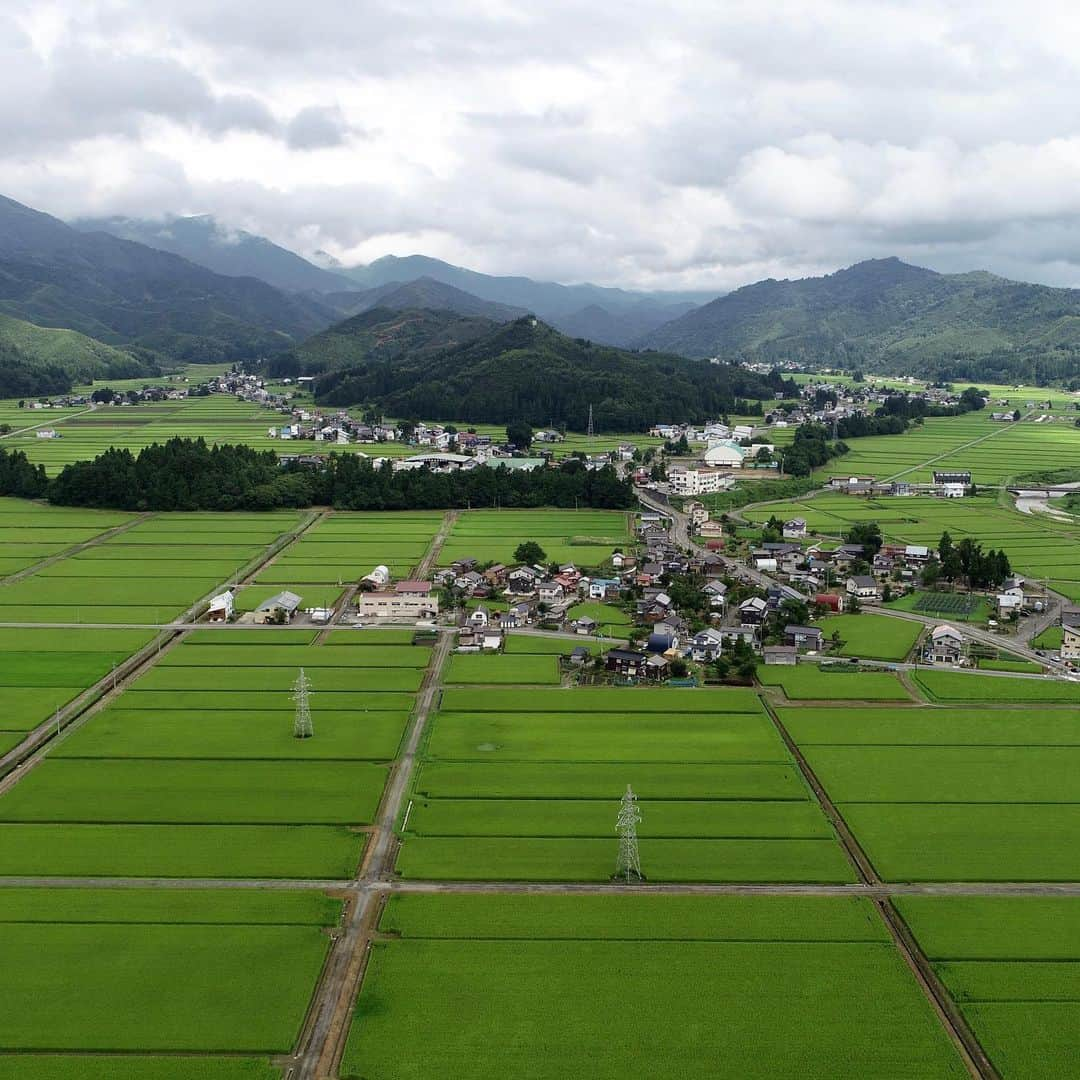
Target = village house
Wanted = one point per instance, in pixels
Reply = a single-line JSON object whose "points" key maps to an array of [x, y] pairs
{"points": [[550, 592], [697, 513], [279, 608], [1070, 633], [946, 645], [863, 587], [626, 662], [779, 654], [221, 607], [580, 655], [832, 601], [585, 624], [656, 667], [524, 579], [807, 638], [706, 646], [601, 588], [716, 591], [752, 611], [795, 529]]}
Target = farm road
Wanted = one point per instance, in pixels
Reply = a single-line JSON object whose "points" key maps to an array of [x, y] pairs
{"points": [[331, 1011], [427, 563]]}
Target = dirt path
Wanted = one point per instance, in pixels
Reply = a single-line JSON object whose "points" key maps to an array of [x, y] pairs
{"points": [[954, 450], [323, 1041], [427, 563]]}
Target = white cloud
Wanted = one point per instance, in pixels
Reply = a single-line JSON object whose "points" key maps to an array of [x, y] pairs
{"points": [[679, 144]]}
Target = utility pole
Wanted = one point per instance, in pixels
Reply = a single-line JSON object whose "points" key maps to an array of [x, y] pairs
{"points": [[628, 866], [302, 726]]}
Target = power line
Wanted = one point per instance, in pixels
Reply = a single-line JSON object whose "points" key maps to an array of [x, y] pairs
{"points": [[302, 726]]}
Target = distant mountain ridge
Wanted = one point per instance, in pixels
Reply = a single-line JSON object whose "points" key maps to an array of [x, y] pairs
{"points": [[609, 315], [233, 252], [127, 294], [429, 294], [884, 314]]}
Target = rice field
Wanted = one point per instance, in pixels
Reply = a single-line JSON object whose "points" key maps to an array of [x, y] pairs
{"points": [[1013, 966], [525, 784], [954, 794], [583, 537], [194, 769], [155, 973], [712, 976]]}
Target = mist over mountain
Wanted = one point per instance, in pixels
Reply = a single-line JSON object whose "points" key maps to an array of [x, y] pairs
{"points": [[127, 294], [233, 252]]}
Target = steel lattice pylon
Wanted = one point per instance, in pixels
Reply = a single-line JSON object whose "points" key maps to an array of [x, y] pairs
{"points": [[628, 867], [302, 726]]}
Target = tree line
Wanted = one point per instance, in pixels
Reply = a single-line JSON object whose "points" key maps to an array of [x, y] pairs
{"points": [[187, 474]]}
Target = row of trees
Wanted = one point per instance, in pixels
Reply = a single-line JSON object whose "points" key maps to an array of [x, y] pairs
{"points": [[967, 562], [186, 474]]}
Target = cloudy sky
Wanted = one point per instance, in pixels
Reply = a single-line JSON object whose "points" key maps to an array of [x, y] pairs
{"points": [[675, 144]]}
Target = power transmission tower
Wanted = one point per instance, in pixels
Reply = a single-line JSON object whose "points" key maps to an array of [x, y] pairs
{"points": [[590, 430], [302, 726], [628, 867]]}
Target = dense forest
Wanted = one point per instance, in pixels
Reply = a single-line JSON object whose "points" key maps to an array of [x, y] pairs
{"points": [[527, 371], [186, 474]]}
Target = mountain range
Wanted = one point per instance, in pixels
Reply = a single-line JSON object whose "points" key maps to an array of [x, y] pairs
{"points": [[141, 299], [886, 315], [612, 316]]}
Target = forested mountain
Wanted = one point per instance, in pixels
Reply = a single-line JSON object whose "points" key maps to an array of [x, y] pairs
{"points": [[124, 293], [528, 371], [425, 293], [233, 252], [35, 360], [886, 315], [380, 335]]}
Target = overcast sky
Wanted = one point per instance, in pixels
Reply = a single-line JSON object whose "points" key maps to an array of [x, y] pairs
{"points": [[675, 144]]}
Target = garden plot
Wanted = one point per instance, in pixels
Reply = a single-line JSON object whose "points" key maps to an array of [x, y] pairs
{"points": [[583, 537], [807, 682], [732, 987], [1013, 966], [876, 637], [507, 791], [147, 977]]}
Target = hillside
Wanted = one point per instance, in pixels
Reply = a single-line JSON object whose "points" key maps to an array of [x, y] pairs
{"points": [[124, 293], [232, 252], [58, 358], [886, 315], [380, 335], [528, 371]]}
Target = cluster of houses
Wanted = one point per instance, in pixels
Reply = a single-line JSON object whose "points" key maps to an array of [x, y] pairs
{"points": [[947, 484]]}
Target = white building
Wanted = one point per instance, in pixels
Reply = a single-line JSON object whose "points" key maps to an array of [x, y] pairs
{"points": [[725, 453], [698, 481], [221, 607], [407, 601]]}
